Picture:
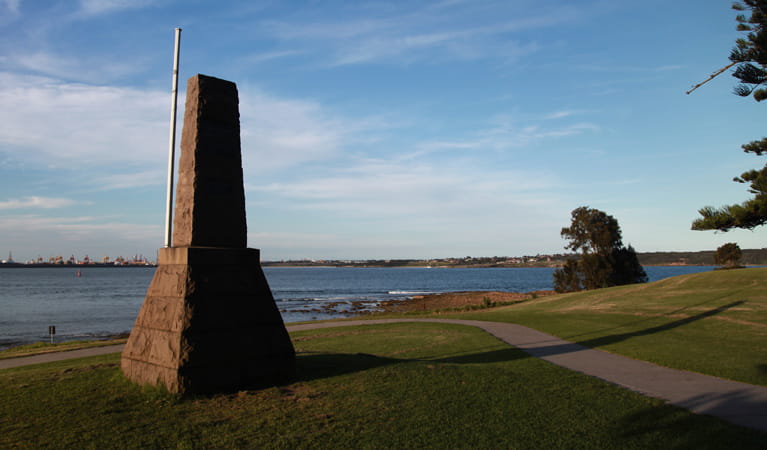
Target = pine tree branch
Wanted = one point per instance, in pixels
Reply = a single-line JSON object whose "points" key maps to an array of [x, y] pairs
{"points": [[712, 76]]}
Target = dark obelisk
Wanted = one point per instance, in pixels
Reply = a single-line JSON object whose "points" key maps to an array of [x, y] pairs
{"points": [[209, 322]]}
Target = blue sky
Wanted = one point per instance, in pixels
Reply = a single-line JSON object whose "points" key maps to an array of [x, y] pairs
{"points": [[377, 129]]}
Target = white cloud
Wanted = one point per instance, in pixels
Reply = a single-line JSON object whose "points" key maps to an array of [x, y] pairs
{"points": [[12, 6], [70, 125], [279, 133], [448, 31], [378, 48], [320, 245], [316, 30], [98, 7], [296, 240], [84, 68], [506, 132], [36, 202], [630, 69], [138, 179], [10, 12], [258, 58], [562, 114], [424, 192], [36, 234], [414, 209], [73, 125]]}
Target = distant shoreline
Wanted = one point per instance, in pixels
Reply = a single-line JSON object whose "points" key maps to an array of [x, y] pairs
{"points": [[339, 266], [751, 257], [477, 266], [71, 266]]}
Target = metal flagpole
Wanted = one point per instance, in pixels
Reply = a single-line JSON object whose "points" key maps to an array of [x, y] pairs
{"points": [[172, 142]]}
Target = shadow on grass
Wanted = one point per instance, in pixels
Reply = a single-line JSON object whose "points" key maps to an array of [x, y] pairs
{"points": [[493, 356], [701, 431], [321, 365], [571, 347], [650, 319], [614, 338], [312, 366]]}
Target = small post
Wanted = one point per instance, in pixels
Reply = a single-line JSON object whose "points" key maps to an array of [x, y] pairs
{"points": [[52, 331], [172, 140]]}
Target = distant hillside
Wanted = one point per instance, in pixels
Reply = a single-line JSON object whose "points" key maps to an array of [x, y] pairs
{"points": [[755, 257]]}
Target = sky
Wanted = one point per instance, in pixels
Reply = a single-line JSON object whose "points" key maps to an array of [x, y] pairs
{"points": [[377, 129]]}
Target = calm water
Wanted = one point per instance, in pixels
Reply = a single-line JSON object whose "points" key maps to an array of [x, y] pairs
{"points": [[105, 301]]}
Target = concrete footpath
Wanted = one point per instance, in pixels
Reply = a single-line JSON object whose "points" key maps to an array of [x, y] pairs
{"points": [[739, 403]]}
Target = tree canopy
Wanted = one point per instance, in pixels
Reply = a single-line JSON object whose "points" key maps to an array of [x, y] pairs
{"points": [[750, 58], [728, 256], [747, 215], [592, 231], [750, 52], [603, 261]]}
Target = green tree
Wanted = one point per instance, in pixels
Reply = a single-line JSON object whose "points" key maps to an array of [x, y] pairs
{"points": [[603, 260], [728, 256], [568, 278], [592, 231], [750, 57]]}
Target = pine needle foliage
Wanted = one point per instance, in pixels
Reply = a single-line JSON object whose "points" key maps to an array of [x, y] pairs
{"points": [[750, 58]]}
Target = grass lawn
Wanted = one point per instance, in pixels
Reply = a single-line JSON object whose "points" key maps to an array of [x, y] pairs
{"points": [[712, 322], [392, 386]]}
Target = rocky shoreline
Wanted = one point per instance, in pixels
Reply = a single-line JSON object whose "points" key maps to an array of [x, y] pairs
{"points": [[448, 301], [459, 300], [429, 302]]}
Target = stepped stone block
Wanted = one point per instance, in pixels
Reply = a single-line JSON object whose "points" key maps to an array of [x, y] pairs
{"points": [[209, 322]]}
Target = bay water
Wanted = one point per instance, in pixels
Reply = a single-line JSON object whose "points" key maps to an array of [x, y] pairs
{"points": [[103, 302]]}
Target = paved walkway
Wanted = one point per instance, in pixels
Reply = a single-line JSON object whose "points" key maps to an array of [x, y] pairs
{"points": [[59, 356], [738, 403]]}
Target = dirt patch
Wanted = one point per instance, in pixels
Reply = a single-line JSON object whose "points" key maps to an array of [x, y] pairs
{"points": [[458, 300]]}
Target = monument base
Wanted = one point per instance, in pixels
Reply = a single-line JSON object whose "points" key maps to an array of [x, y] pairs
{"points": [[208, 324]]}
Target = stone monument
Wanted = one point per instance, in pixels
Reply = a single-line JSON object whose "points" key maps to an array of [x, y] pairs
{"points": [[209, 322]]}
